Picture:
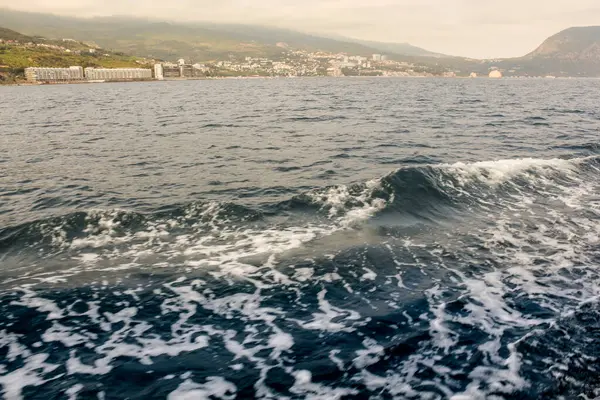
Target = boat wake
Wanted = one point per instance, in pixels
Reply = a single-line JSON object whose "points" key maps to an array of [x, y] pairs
{"points": [[455, 281]]}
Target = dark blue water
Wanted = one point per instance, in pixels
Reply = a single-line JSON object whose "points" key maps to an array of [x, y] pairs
{"points": [[302, 238]]}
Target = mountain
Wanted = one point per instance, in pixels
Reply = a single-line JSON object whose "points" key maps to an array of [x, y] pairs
{"points": [[402, 49], [573, 44], [405, 49], [574, 52], [194, 41], [8, 34]]}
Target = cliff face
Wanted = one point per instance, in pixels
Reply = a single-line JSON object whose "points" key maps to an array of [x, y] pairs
{"points": [[573, 44]]}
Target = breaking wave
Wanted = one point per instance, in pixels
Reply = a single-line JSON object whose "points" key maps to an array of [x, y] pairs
{"points": [[449, 281], [409, 190]]}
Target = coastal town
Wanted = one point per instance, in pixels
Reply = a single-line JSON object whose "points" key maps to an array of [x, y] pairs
{"points": [[289, 63], [296, 63]]}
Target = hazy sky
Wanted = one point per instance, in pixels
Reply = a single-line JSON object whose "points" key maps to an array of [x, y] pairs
{"points": [[474, 28]]}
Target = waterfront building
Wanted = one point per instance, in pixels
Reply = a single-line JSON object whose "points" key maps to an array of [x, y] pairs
{"points": [[39, 74], [171, 70], [117, 74], [190, 71], [159, 72]]}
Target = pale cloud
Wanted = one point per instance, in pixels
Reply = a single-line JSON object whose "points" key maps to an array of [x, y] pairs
{"points": [[472, 28]]}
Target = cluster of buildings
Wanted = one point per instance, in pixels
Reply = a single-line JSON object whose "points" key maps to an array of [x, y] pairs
{"points": [[292, 63], [179, 70], [78, 74], [336, 67], [305, 63], [379, 57]]}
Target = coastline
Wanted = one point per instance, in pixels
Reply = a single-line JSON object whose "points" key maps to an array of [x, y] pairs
{"points": [[25, 83]]}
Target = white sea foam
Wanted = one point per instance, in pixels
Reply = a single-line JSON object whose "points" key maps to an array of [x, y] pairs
{"points": [[309, 390], [348, 206], [324, 320], [73, 391], [497, 172], [370, 355], [215, 387], [32, 300], [528, 262], [32, 373], [488, 308]]}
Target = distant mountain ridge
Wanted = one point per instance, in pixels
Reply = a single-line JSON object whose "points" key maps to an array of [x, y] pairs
{"points": [[406, 49], [197, 41]]}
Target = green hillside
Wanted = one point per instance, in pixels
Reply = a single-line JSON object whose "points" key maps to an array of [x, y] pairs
{"points": [[8, 34], [21, 57], [18, 51]]}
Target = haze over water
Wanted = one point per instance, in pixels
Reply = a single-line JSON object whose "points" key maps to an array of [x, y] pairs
{"points": [[301, 238]]}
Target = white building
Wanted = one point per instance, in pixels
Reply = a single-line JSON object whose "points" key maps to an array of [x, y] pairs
{"points": [[495, 74], [37, 74], [159, 72], [334, 71], [117, 74], [376, 57]]}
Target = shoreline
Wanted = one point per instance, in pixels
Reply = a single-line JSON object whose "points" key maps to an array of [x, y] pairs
{"points": [[25, 83]]}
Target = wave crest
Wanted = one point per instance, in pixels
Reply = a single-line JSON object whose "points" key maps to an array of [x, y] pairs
{"points": [[425, 191]]}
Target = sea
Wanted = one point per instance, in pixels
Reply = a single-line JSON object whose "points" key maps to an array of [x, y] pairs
{"points": [[318, 238]]}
